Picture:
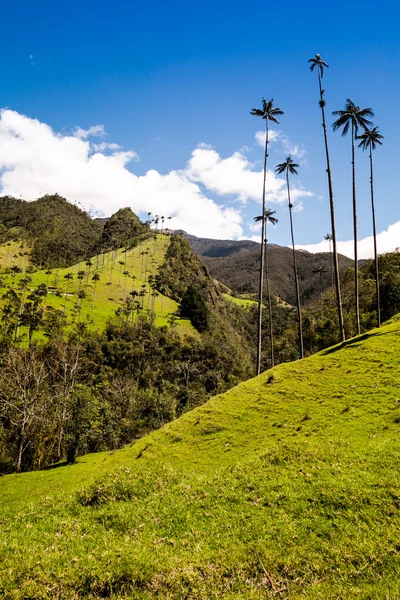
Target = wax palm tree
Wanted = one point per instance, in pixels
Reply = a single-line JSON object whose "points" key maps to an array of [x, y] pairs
{"points": [[369, 139], [95, 279], [68, 278], [268, 112], [328, 238], [290, 167], [353, 116], [321, 271], [269, 218], [321, 65]]}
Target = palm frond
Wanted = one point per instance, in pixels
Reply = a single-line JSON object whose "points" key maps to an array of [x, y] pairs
{"points": [[257, 112], [281, 168]]}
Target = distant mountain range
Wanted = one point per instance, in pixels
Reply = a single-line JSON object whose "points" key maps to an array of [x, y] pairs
{"points": [[236, 264]]}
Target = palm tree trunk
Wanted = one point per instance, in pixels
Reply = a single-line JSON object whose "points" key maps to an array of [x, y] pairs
{"points": [[296, 279], [353, 177], [332, 209], [271, 333], [261, 285], [378, 299], [94, 295]]}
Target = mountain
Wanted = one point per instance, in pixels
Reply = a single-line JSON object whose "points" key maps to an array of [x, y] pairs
{"points": [[285, 486], [59, 233], [236, 264]]}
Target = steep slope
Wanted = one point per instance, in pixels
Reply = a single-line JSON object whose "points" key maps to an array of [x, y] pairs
{"points": [[73, 290], [236, 264], [286, 486]]}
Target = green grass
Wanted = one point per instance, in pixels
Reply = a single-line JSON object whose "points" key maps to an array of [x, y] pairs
{"points": [[14, 253], [103, 300], [286, 486], [243, 302]]}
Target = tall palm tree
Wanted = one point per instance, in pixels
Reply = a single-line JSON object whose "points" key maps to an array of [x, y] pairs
{"points": [[321, 65], [290, 167], [369, 139], [269, 218], [268, 112], [68, 278], [356, 117], [321, 271], [95, 279], [328, 238]]}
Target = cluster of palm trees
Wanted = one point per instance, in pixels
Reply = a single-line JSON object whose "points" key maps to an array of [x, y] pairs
{"points": [[354, 119]]}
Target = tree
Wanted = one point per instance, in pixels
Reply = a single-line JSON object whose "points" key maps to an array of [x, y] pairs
{"points": [[369, 139], [356, 117], [269, 113], [321, 271], [321, 65], [290, 167], [194, 307], [95, 279], [68, 278], [328, 238], [269, 218], [23, 398]]}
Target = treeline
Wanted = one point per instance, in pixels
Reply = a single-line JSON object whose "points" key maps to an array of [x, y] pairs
{"points": [[87, 391]]}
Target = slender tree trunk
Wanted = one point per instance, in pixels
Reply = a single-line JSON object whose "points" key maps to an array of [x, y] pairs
{"points": [[271, 333], [378, 298], [296, 279], [353, 178], [332, 209], [21, 447], [261, 285], [332, 264], [94, 295]]}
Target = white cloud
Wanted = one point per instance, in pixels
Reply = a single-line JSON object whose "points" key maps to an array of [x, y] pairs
{"points": [[35, 160], [236, 176], [105, 146], [295, 150], [387, 241], [273, 135], [94, 130]]}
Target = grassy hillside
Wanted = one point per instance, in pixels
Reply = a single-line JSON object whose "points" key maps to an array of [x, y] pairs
{"points": [[105, 296], [286, 486], [14, 253]]}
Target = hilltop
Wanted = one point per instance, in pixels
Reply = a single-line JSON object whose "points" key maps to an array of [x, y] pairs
{"points": [[285, 486]]}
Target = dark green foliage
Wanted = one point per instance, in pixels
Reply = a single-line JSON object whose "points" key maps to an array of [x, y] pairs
{"points": [[61, 233], [194, 307], [101, 391], [124, 228], [181, 269]]}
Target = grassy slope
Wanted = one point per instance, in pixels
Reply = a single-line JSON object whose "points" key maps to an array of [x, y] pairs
{"points": [[14, 253], [109, 297], [243, 302], [279, 488]]}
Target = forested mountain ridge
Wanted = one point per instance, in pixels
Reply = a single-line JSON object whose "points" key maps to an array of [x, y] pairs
{"points": [[236, 264], [60, 233]]}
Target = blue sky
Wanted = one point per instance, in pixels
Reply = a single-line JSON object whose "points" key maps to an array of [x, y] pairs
{"points": [[163, 78]]}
